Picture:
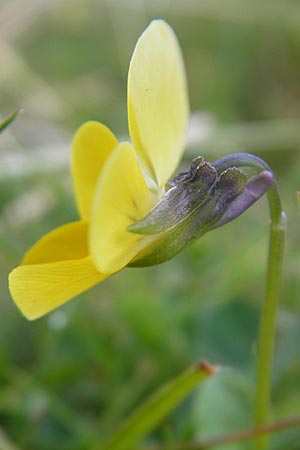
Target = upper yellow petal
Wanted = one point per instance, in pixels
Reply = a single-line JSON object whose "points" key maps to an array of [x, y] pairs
{"points": [[158, 101], [91, 146], [121, 198], [57, 268]]}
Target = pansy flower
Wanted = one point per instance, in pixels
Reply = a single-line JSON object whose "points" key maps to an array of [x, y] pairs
{"points": [[132, 214], [116, 184]]}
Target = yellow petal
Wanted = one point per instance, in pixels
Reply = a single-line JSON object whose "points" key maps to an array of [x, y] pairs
{"points": [[66, 242], [158, 101], [91, 146], [56, 269], [121, 198]]}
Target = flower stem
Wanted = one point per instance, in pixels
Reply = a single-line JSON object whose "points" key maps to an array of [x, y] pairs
{"points": [[266, 336], [267, 323]]}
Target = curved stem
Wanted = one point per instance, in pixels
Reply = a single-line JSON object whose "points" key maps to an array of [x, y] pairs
{"points": [[266, 336], [248, 160]]}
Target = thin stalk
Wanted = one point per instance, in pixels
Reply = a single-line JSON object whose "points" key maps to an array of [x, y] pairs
{"points": [[266, 336], [232, 438], [267, 325]]}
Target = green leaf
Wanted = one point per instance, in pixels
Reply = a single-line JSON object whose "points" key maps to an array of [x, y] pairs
{"points": [[153, 410], [9, 119], [222, 407]]}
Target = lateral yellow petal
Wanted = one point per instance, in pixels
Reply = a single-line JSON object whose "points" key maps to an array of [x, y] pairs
{"points": [[57, 268], [66, 242], [91, 146], [121, 198], [158, 101]]}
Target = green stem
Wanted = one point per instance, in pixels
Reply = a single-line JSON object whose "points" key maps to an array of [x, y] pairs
{"points": [[268, 321], [266, 336]]}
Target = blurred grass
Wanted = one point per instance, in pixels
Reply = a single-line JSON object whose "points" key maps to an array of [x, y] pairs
{"points": [[68, 379]]}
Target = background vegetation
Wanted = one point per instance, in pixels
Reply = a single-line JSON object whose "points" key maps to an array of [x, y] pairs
{"points": [[68, 379]]}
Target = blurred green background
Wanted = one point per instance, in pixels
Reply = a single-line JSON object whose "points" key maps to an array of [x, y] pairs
{"points": [[68, 379]]}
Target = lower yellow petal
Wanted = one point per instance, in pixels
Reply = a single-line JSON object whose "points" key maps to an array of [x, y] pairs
{"points": [[57, 268], [39, 288], [92, 144], [121, 198]]}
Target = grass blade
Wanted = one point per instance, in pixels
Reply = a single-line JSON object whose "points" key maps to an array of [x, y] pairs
{"points": [[153, 410], [9, 119]]}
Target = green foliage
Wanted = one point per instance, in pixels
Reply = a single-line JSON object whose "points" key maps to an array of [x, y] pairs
{"points": [[68, 380]]}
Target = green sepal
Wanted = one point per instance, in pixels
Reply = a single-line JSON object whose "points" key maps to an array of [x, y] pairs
{"points": [[189, 190], [228, 186]]}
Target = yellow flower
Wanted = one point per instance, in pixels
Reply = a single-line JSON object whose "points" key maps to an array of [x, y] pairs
{"points": [[116, 184]]}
